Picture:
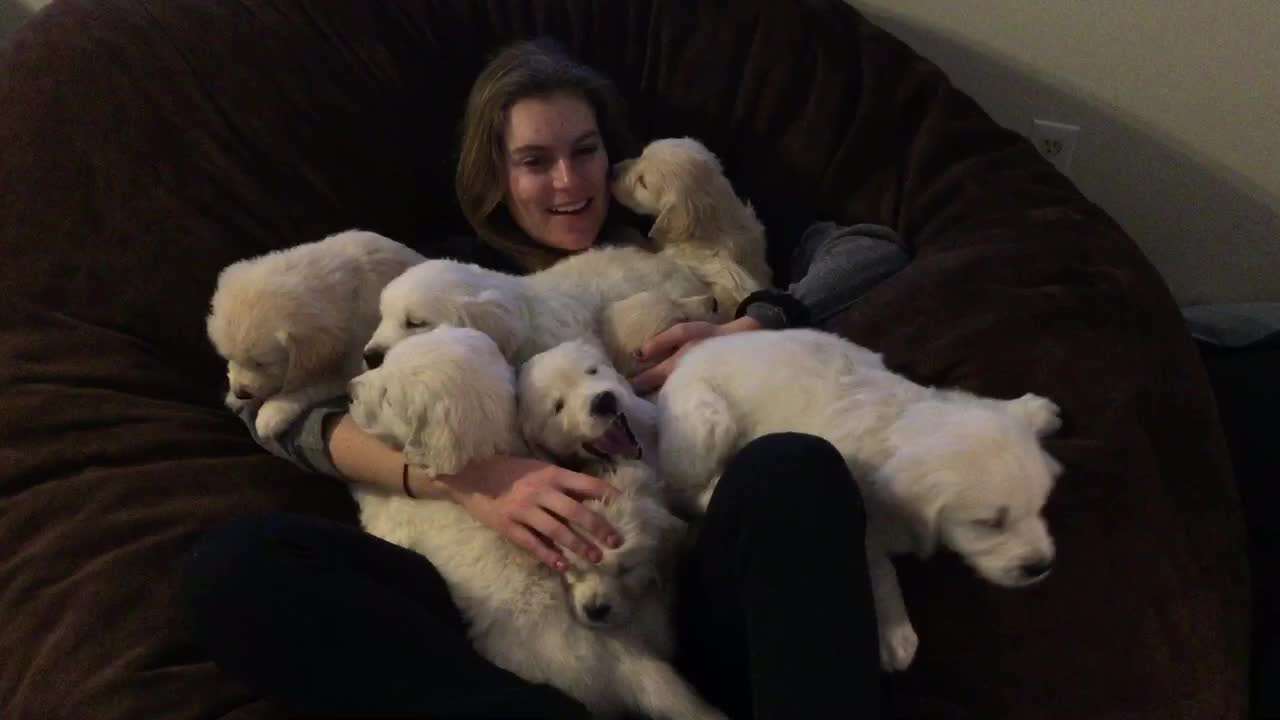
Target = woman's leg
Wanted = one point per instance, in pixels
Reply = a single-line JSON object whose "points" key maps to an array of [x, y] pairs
{"points": [[327, 620], [775, 616]]}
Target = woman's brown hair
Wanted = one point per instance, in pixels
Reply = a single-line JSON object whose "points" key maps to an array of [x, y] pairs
{"points": [[529, 69]]}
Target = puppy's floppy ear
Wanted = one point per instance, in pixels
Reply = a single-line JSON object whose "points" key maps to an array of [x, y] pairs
{"points": [[314, 356], [916, 494], [1039, 413], [434, 447], [495, 316]]}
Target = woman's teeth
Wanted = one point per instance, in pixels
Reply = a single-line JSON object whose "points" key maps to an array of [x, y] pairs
{"points": [[570, 208]]}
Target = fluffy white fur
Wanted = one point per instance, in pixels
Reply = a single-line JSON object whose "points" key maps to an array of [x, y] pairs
{"points": [[575, 408], [699, 219], [934, 466], [600, 633], [525, 315], [290, 323], [625, 325]]}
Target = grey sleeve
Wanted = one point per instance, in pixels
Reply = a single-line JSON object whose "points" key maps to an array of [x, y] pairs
{"points": [[304, 442], [833, 266]]}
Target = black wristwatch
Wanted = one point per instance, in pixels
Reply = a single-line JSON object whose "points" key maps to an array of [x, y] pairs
{"points": [[795, 314]]}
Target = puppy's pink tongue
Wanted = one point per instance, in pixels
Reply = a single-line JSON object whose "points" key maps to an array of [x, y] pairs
{"points": [[618, 441]]}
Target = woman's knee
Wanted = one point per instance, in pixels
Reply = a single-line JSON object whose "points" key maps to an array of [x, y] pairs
{"points": [[789, 470], [241, 554]]}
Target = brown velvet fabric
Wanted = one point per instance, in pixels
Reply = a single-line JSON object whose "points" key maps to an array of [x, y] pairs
{"points": [[144, 145]]}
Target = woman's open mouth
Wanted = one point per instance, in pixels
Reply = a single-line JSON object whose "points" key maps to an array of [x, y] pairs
{"points": [[572, 208], [616, 441]]}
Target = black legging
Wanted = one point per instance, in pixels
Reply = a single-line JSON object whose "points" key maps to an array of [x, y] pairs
{"points": [[774, 614]]}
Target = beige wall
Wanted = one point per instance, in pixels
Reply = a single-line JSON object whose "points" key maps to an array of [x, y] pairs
{"points": [[1179, 104]]}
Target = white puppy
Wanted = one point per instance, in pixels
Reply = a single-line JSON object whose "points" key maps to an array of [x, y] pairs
{"points": [[699, 219], [290, 323], [600, 633], [934, 466], [524, 314], [625, 325]]}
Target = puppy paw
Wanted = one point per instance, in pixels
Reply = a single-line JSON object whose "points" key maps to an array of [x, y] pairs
{"points": [[898, 646], [1041, 413], [235, 404], [273, 418]]}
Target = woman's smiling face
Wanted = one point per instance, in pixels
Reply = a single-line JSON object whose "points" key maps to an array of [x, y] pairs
{"points": [[557, 171]]}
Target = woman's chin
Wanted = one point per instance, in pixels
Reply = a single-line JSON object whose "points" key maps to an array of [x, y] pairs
{"points": [[571, 241]]}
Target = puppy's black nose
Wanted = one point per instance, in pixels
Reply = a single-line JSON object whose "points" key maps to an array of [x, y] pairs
{"points": [[373, 358], [1036, 569], [605, 403], [242, 394], [597, 612]]}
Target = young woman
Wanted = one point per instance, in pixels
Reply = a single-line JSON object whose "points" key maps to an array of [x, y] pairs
{"points": [[774, 614]]}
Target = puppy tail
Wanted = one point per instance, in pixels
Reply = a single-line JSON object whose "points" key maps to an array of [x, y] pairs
{"points": [[697, 435]]}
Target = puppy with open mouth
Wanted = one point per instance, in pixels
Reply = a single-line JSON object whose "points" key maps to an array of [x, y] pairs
{"points": [[576, 409]]}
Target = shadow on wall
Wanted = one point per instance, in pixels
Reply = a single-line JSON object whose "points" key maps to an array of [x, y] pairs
{"points": [[12, 15], [1214, 235]]}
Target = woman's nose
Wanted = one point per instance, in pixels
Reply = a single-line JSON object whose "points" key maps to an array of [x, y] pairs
{"points": [[564, 175]]}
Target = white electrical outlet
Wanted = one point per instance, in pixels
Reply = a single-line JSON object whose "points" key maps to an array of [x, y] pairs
{"points": [[1056, 142]]}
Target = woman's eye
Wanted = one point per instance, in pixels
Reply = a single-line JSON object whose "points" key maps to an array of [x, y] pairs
{"points": [[586, 150], [559, 406], [592, 370], [414, 324], [532, 163]]}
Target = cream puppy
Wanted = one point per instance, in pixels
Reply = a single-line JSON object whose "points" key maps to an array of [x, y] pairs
{"points": [[699, 219], [934, 466], [291, 323], [625, 325], [600, 633], [524, 314]]}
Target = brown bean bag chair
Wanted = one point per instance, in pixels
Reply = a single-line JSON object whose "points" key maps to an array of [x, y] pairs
{"points": [[143, 146]]}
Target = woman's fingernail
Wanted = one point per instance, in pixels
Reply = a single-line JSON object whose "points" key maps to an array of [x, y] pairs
{"points": [[595, 555], [615, 541], [561, 566]]}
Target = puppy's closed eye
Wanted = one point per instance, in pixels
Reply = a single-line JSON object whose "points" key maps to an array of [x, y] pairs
{"points": [[412, 324], [592, 370], [559, 406], [997, 522]]}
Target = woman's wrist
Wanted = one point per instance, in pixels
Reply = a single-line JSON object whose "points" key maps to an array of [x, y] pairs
{"points": [[420, 485], [742, 324]]}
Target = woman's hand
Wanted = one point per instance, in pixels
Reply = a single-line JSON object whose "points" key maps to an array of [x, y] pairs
{"points": [[673, 342], [536, 505]]}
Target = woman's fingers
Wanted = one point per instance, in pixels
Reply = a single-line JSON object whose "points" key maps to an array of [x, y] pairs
{"points": [[575, 487], [673, 338], [652, 378], [525, 538], [584, 486], [582, 516], [555, 530]]}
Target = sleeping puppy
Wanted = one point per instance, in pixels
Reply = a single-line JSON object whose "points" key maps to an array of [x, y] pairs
{"points": [[600, 632], [524, 314], [625, 325], [699, 219], [934, 466], [290, 323]]}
